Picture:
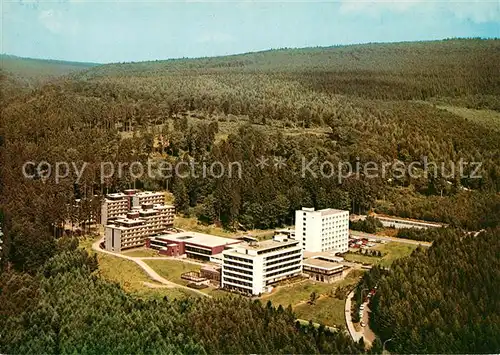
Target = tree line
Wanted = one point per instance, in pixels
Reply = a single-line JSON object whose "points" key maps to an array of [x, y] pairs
{"points": [[440, 300], [64, 307]]}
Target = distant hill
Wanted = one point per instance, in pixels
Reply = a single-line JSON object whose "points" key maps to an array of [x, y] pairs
{"points": [[29, 71], [459, 71]]}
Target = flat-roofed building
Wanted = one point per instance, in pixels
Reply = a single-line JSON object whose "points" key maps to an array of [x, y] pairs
{"points": [[287, 232], [322, 230], [119, 203], [400, 223], [114, 206], [159, 217], [250, 268], [125, 233], [323, 270], [148, 197], [193, 245], [131, 231]]}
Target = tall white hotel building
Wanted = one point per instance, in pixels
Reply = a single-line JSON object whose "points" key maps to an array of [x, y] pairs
{"points": [[322, 230]]}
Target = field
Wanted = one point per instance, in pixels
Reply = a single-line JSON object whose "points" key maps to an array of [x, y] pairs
{"points": [[131, 277], [172, 269], [141, 252], [393, 251], [327, 309], [390, 251], [192, 224], [487, 118]]}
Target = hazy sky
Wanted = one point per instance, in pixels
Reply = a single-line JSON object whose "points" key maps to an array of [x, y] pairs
{"points": [[116, 31]]}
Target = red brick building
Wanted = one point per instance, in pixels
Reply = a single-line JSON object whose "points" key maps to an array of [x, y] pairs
{"points": [[193, 245]]}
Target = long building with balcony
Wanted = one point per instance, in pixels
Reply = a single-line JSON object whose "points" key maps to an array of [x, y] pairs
{"points": [[126, 233], [251, 268], [131, 231], [148, 197], [159, 217], [118, 204], [114, 206]]}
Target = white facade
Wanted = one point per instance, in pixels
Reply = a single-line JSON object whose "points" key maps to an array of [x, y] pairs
{"points": [[322, 230], [251, 268]]}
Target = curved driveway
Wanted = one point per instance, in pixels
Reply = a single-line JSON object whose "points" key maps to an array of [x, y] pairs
{"points": [[149, 271], [366, 333]]}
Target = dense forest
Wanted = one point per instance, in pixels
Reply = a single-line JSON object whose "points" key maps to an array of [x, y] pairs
{"points": [[441, 300], [381, 103], [242, 108], [65, 308]]}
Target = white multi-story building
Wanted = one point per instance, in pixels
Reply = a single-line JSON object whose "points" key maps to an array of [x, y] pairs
{"points": [[118, 204], [140, 223], [114, 206], [157, 216], [251, 267], [322, 230], [126, 233]]}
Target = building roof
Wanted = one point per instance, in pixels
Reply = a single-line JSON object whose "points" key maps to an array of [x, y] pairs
{"points": [[284, 230], [324, 211], [198, 238], [267, 244], [254, 249], [123, 222], [327, 211], [148, 193], [329, 255], [115, 195], [322, 264]]}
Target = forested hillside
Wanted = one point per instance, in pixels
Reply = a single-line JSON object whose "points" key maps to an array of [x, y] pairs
{"points": [[291, 104], [380, 103], [65, 308], [441, 300], [19, 75]]}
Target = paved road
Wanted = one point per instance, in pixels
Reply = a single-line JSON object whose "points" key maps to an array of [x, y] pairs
{"points": [[149, 271], [366, 333], [355, 335], [389, 239]]}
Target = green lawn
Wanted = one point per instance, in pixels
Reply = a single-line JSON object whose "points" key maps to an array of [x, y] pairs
{"points": [[192, 224], [130, 276], [132, 279], [328, 311], [390, 251], [358, 258], [393, 251], [142, 252], [172, 269], [296, 293]]}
